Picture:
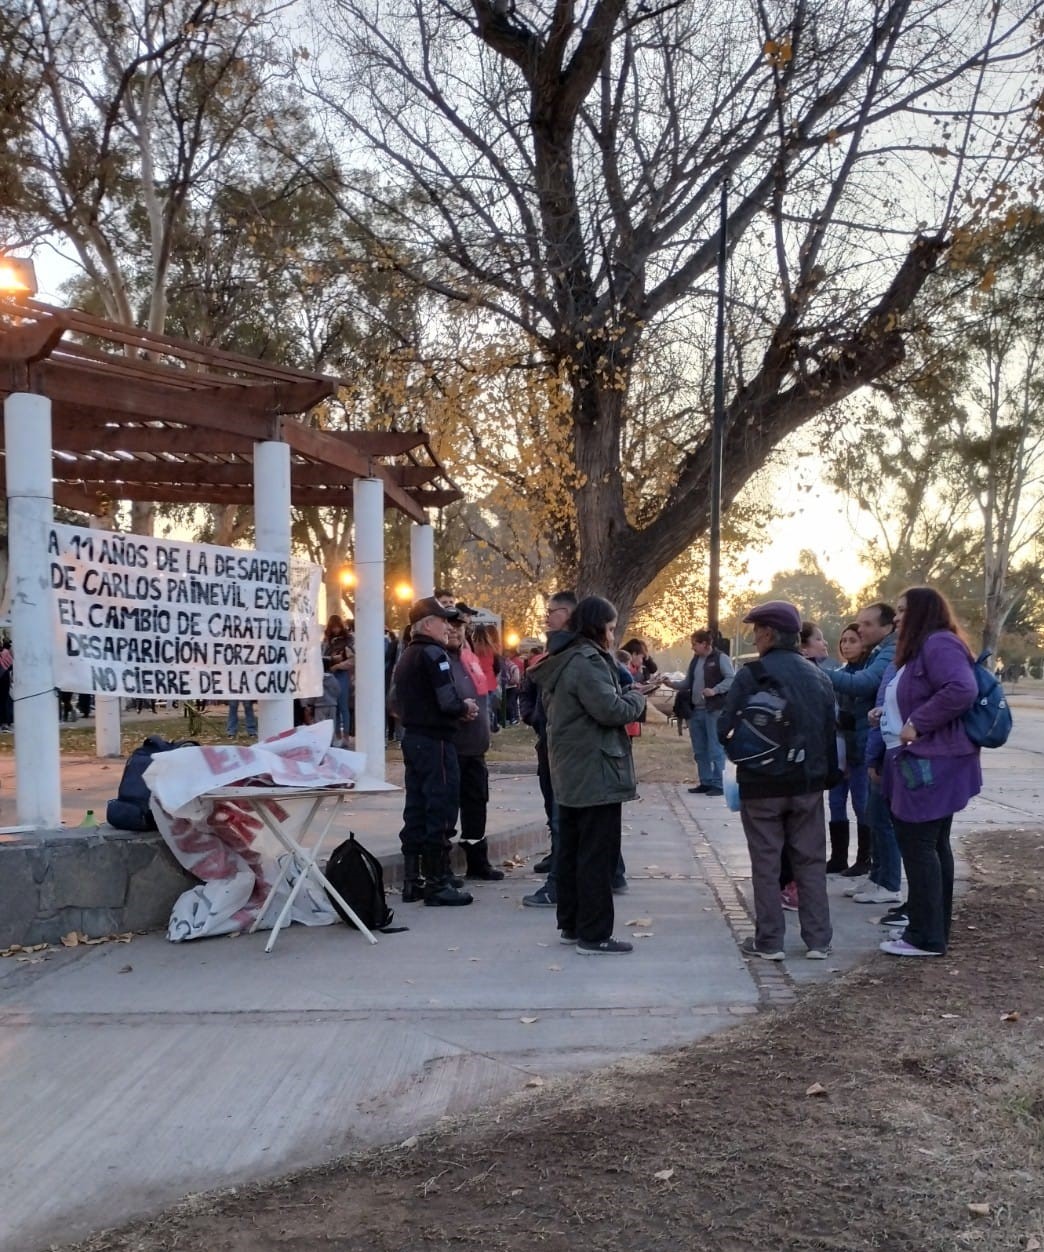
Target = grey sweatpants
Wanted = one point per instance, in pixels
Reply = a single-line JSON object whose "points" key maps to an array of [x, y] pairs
{"points": [[797, 823]]}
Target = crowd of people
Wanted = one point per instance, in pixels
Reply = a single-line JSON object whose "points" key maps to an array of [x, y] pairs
{"points": [[879, 731]]}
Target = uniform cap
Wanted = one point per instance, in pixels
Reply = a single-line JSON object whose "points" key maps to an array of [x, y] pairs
{"points": [[430, 607]]}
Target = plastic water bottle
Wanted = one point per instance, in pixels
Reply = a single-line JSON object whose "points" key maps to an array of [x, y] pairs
{"points": [[89, 819]]}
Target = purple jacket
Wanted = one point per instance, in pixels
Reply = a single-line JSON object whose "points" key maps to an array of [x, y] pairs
{"points": [[936, 688]]}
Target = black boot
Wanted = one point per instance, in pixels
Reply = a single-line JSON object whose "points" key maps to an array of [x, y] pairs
{"points": [[412, 879], [838, 862], [437, 889], [453, 879], [477, 852], [861, 867]]}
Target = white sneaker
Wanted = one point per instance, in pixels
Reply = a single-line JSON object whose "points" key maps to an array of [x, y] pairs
{"points": [[857, 884], [877, 895]]}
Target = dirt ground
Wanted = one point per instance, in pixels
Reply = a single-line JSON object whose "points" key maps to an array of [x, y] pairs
{"points": [[928, 1133]]}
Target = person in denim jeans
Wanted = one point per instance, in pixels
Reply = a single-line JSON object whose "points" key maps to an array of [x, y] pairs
{"points": [[853, 728]]}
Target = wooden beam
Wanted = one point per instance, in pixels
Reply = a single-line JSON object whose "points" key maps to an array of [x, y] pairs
{"points": [[75, 432], [191, 473], [220, 409], [29, 342], [437, 499], [411, 475], [319, 446], [382, 442], [339, 497]]}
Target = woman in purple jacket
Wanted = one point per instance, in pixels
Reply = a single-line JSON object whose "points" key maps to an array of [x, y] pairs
{"points": [[931, 767]]}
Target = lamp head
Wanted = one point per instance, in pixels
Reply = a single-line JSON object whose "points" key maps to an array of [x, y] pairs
{"points": [[17, 277]]}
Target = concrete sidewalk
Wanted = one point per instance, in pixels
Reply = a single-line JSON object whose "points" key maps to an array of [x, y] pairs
{"points": [[136, 1074]]}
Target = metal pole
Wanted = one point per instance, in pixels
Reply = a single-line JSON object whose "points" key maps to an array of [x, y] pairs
{"points": [[718, 427]]}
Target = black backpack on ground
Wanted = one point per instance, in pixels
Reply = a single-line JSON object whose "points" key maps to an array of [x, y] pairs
{"points": [[130, 810], [356, 874], [767, 737]]}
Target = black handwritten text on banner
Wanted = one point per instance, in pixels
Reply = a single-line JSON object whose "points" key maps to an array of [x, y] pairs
{"points": [[138, 616]]}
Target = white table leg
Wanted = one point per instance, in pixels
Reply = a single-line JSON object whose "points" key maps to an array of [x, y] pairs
{"points": [[305, 863]]}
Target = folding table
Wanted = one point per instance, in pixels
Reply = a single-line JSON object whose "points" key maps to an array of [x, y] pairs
{"points": [[324, 804]]}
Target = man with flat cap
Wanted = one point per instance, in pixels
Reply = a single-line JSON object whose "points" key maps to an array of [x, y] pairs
{"points": [[430, 708], [778, 727]]}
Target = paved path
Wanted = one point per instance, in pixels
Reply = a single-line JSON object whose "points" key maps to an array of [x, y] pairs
{"points": [[136, 1074]]}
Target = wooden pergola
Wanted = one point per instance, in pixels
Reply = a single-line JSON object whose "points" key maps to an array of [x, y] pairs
{"points": [[139, 416]]}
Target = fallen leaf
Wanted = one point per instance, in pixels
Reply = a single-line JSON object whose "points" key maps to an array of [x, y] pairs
{"points": [[124, 938], [639, 921], [554, 968], [817, 1089], [70, 940], [642, 934], [411, 1142], [92, 942], [535, 1081], [453, 949], [528, 1021], [979, 1210], [1032, 1243], [664, 1175], [125, 969], [947, 1017], [1013, 1016]]}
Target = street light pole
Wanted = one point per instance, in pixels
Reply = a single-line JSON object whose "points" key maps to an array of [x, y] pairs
{"points": [[718, 427]]}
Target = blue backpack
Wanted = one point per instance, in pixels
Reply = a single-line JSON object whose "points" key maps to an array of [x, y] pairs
{"points": [[988, 722]]}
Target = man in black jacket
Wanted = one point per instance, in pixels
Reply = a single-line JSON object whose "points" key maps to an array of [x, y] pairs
{"points": [[781, 792], [429, 707]]}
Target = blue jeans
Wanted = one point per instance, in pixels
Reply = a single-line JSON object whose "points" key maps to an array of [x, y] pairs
{"points": [[856, 785], [887, 868], [344, 713], [232, 727], [707, 751]]}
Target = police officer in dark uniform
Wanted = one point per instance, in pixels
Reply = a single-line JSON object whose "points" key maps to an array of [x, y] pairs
{"points": [[429, 707]]}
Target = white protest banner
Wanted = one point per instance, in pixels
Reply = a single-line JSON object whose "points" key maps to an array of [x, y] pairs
{"points": [[139, 616]]}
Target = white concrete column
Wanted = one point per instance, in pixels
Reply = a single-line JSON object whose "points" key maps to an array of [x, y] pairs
{"points": [[106, 708], [422, 560], [272, 534], [368, 496], [30, 515]]}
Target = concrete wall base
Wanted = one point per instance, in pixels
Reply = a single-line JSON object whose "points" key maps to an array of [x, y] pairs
{"points": [[97, 881], [102, 881]]}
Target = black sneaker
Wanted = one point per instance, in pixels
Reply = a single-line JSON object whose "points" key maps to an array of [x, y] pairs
{"points": [[714, 791], [606, 947], [620, 887], [543, 866], [543, 898], [567, 936], [701, 790]]}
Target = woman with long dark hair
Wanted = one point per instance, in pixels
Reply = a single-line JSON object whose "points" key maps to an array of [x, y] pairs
{"points": [[337, 648], [931, 768], [592, 770]]}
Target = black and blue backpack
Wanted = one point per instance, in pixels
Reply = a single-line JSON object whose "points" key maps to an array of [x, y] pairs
{"points": [[988, 722]]}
